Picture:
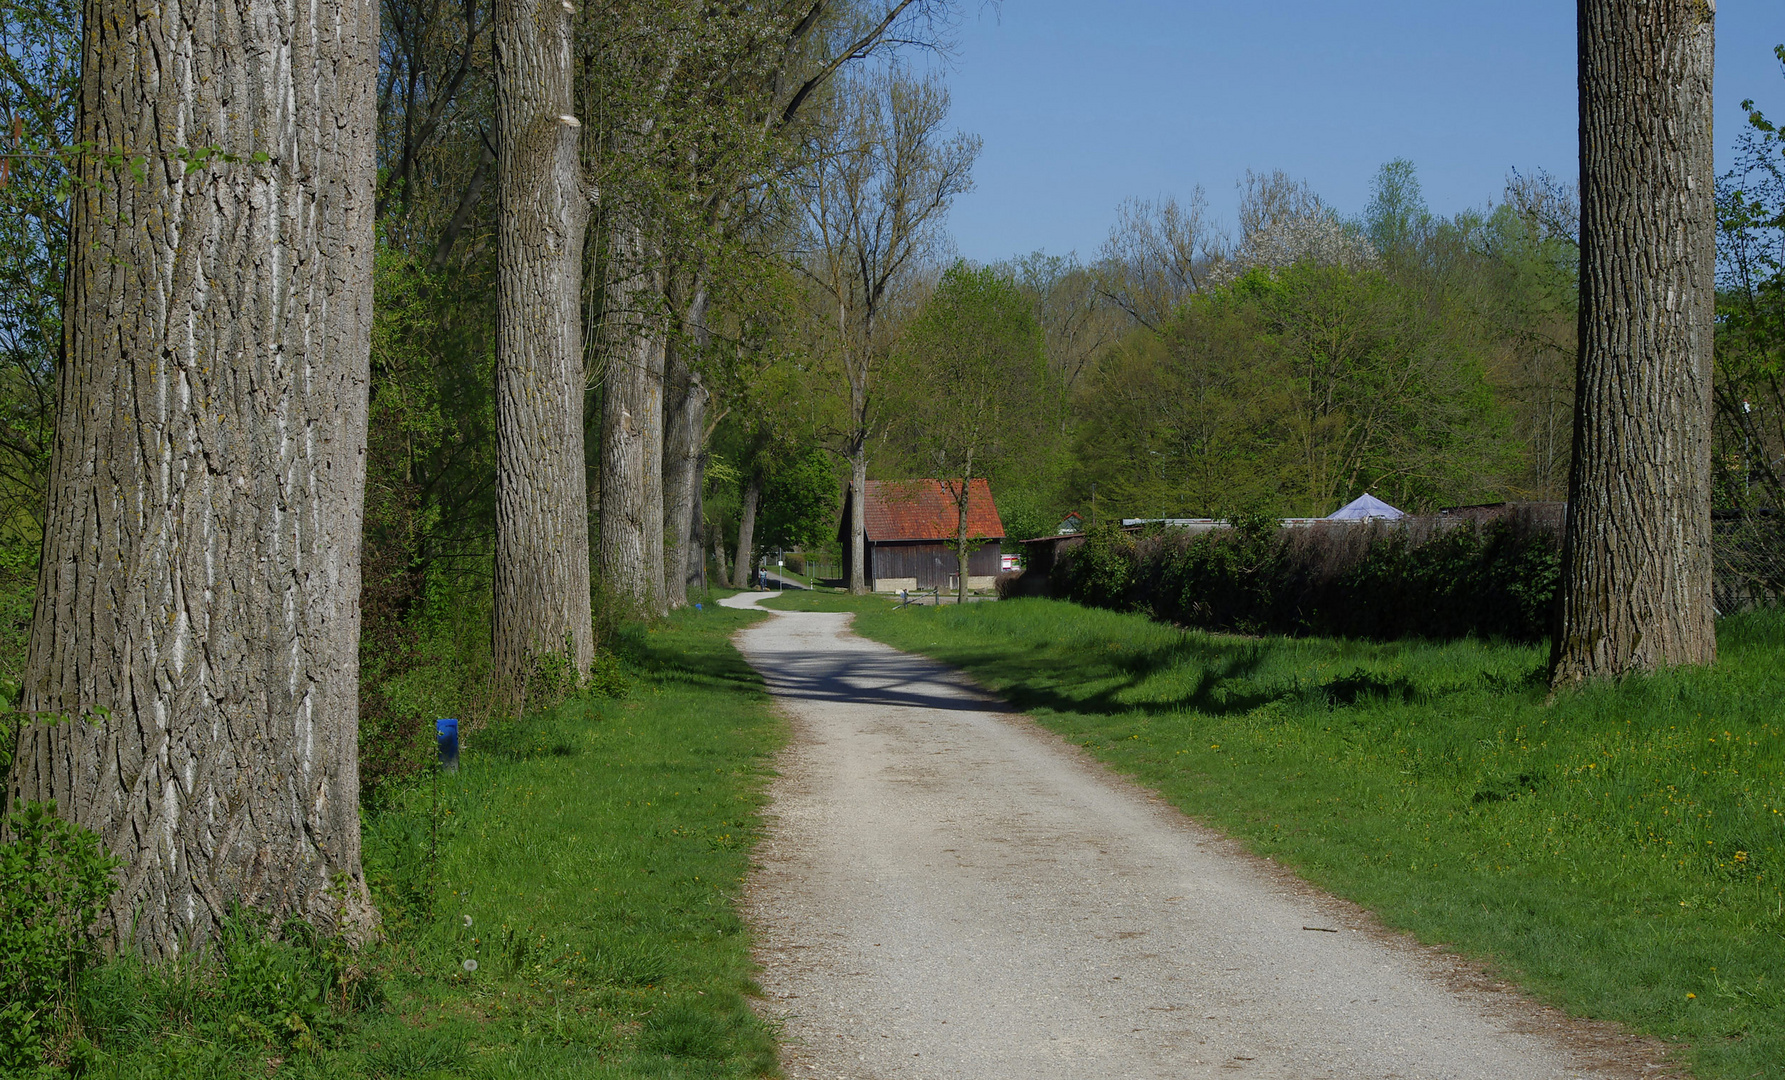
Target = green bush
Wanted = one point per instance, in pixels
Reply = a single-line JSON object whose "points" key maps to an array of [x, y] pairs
{"points": [[607, 676], [1099, 571], [54, 879], [1382, 582]]}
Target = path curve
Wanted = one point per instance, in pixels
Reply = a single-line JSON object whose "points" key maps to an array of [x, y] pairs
{"points": [[945, 890]]}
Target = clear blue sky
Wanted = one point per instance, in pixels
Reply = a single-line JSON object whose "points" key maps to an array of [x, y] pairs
{"points": [[1083, 103]]}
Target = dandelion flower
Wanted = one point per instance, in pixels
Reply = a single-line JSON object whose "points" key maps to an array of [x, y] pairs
{"points": [[470, 965]]}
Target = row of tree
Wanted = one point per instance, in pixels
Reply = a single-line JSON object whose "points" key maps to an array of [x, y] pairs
{"points": [[562, 306], [464, 282]]}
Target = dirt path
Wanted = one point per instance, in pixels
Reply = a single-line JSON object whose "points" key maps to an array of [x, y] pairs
{"points": [[948, 891]]}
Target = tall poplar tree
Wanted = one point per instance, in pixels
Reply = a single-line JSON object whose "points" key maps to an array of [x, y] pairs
{"points": [[542, 510], [1636, 577], [198, 597]]}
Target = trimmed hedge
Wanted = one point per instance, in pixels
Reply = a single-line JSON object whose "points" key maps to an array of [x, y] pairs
{"points": [[1423, 577]]}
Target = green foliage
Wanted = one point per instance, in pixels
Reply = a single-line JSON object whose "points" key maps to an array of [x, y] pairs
{"points": [[607, 676], [1750, 354], [1099, 571], [54, 879], [429, 516], [1620, 852], [1397, 216], [585, 859], [972, 394], [39, 79], [1295, 390], [1379, 583], [280, 991], [255, 997], [800, 501]]}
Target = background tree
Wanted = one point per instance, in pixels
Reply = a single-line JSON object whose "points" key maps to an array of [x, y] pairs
{"points": [[883, 175], [1190, 422], [215, 358], [973, 395], [1077, 321], [1750, 376], [1530, 299], [1636, 582], [799, 502], [39, 78], [1156, 255]]}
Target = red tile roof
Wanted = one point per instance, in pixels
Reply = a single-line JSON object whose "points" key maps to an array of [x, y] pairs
{"points": [[926, 510]]}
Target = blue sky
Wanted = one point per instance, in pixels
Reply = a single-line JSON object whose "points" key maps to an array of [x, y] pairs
{"points": [[1083, 103]]}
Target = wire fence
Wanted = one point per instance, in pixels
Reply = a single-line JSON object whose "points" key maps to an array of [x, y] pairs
{"points": [[820, 564], [1748, 550]]}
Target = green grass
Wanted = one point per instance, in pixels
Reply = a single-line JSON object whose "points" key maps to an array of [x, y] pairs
{"points": [[800, 600], [1620, 853], [588, 861]]}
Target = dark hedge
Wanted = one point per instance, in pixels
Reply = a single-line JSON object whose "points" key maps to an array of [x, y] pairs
{"points": [[1422, 577]]}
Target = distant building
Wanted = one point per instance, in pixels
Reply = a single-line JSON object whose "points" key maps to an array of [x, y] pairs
{"points": [[911, 528]]}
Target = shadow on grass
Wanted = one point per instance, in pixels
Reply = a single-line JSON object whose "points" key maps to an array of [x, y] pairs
{"points": [[1207, 674]]}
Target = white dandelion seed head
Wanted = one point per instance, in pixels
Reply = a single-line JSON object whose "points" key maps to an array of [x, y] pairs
{"points": [[470, 965]]}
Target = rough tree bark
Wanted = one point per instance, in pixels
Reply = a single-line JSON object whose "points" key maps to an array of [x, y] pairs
{"points": [[685, 420], [631, 552], [858, 517], [200, 575], [1636, 575], [542, 514], [742, 568]]}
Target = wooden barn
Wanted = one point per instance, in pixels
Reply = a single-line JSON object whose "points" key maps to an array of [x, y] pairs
{"points": [[911, 527]]}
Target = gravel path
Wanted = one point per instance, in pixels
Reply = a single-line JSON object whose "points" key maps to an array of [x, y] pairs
{"points": [[948, 891]]}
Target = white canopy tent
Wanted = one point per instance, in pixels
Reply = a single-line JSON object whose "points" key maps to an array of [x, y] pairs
{"points": [[1364, 508]]}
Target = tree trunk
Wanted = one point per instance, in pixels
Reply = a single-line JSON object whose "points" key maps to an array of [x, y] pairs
{"points": [[961, 552], [632, 431], [685, 420], [1636, 573], [200, 575], [858, 517], [697, 547], [717, 536], [740, 578], [656, 592], [542, 510]]}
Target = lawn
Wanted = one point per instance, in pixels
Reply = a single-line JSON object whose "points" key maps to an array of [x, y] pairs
{"points": [[1620, 852], [563, 908], [802, 600]]}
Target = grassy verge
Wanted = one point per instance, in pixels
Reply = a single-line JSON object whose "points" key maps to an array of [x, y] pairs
{"points": [[1620, 852], [562, 907], [799, 600]]}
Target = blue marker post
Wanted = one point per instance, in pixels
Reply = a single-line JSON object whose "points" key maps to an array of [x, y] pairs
{"points": [[446, 736]]}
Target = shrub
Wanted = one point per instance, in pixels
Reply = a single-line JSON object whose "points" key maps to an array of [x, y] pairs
{"points": [[607, 676], [1427, 577], [1098, 571], [54, 879]]}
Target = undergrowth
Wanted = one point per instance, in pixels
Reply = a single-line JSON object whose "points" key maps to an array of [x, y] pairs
{"points": [[561, 906]]}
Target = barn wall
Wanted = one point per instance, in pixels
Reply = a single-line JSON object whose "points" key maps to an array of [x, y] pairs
{"points": [[932, 563]]}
